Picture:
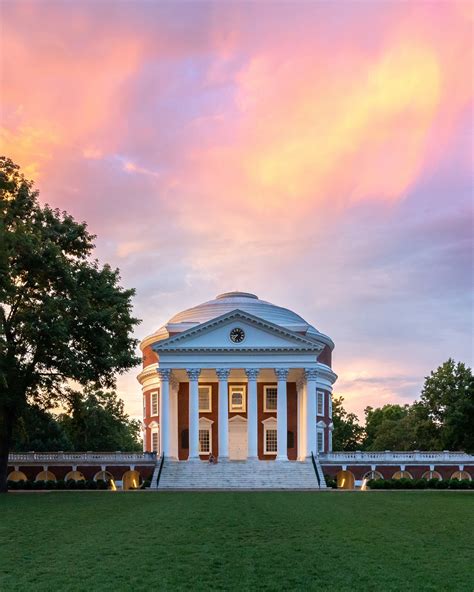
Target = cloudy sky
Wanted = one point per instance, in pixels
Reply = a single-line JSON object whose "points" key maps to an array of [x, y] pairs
{"points": [[318, 154]]}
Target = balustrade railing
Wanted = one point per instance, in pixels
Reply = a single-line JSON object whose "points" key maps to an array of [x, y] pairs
{"points": [[390, 456], [82, 457]]}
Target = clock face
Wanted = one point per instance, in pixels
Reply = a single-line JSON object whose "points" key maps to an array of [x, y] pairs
{"points": [[237, 335]]}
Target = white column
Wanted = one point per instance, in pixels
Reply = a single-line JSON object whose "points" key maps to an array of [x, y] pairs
{"points": [[174, 388], [311, 375], [301, 423], [223, 415], [252, 414], [193, 375], [282, 422], [164, 374]]}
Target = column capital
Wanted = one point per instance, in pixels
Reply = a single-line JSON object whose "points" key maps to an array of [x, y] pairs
{"points": [[193, 373], [282, 373], [311, 373], [164, 373], [252, 373], [222, 373]]}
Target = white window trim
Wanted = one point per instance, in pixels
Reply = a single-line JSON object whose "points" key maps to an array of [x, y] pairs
{"points": [[209, 390], [319, 431], [265, 408], [206, 424], [157, 393], [269, 424], [232, 389], [318, 393], [155, 430]]}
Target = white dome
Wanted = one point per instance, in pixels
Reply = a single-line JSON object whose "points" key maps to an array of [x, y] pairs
{"points": [[247, 303]]}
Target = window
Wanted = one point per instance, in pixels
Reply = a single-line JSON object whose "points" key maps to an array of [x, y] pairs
{"points": [[431, 475], [237, 398], [320, 410], [155, 442], [461, 475], [372, 475], [402, 475], [270, 441], [270, 398], [154, 403], [205, 404], [320, 441], [204, 441]]}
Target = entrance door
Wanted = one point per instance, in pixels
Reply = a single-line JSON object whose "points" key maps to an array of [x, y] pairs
{"points": [[237, 438]]}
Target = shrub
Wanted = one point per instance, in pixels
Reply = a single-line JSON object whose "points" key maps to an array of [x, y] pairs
{"points": [[60, 484]]}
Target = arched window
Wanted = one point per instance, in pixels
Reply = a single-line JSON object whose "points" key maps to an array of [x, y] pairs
{"points": [[402, 475], [74, 476], [345, 480], [431, 475], [461, 475], [17, 476], [103, 476], [45, 476], [131, 480], [373, 475]]}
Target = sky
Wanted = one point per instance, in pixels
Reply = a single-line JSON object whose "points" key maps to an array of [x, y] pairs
{"points": [[317, 154]]}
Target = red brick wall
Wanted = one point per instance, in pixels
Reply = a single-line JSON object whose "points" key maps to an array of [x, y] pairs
{"points": [[148, 356], [325, 357]]}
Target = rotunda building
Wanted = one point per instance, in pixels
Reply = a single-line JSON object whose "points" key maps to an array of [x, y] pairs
{"points": [[237, 378]]}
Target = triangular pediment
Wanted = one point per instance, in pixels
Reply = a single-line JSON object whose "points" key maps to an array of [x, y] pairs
{"points": [[259, 335]]}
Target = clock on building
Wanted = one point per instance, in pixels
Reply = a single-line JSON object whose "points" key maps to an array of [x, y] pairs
{"points": [[237, 335]]}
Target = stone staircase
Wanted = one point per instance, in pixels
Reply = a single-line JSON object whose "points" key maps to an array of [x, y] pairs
{"points": [[238, 475]]}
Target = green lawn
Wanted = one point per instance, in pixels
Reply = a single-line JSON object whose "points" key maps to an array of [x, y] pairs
{"points": [[237, 541]]}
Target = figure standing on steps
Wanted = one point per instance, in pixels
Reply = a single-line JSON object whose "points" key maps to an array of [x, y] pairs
{"points": [[212, 459]]}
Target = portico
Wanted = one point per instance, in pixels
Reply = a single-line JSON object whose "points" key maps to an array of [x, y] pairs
{"points": [[255, 391]]}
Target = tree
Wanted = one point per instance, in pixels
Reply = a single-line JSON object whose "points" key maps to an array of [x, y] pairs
{"points": [[39, 430], [448, 399], [63, 317], [399, 427], [97, 421], [347, 434], [383, 430]]}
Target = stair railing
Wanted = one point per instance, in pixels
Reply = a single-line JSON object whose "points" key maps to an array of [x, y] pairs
{"points": [[315, 469], [160, 469]]}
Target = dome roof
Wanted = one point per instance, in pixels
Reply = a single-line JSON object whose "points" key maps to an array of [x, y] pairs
{"points": [[246, 302], [229, 301]]}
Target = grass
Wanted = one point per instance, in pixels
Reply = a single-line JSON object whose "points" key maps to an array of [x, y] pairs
{"points": [[237, 541]]}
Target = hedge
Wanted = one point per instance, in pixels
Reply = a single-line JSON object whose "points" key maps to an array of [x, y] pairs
{"points": [[420, 484]]}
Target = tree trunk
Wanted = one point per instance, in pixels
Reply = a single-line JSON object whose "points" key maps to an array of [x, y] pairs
{"points": [[6, 429]]}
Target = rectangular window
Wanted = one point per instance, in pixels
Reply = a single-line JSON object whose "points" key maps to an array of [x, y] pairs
{"points": [[204, 442], [154, 403], [205, 399], [155, 442], [320, 441], [320, 410], [237, 398], [270, 441], [270, 398]]}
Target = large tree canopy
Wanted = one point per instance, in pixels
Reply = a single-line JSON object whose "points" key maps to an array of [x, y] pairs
{"points": [[347, 434], [448, 399], [97, 421], [63, 316]]}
